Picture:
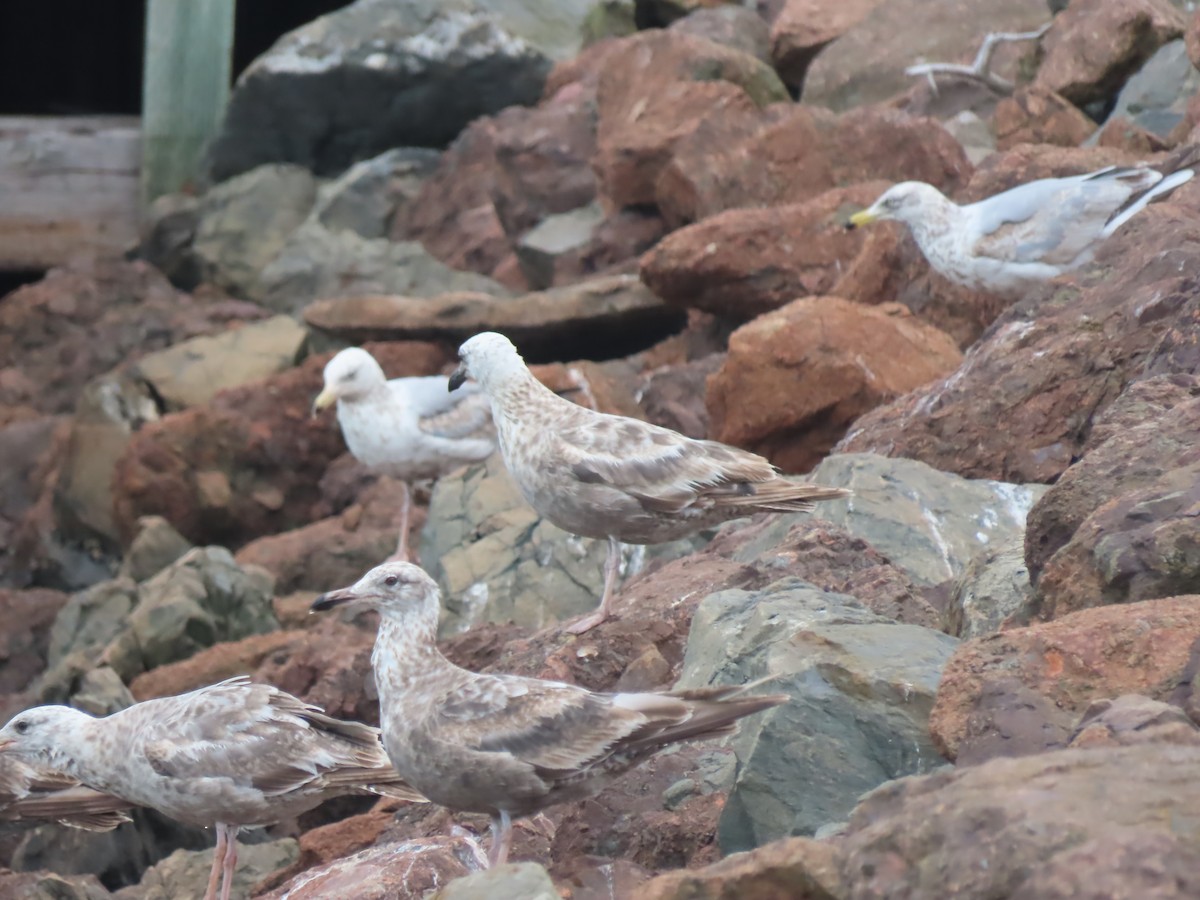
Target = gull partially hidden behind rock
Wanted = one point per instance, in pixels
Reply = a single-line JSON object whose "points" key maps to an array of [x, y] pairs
{"points": [[1014, 240], [606, 476], [29, 793], [507, 745], [408, 428], [229, 755]]}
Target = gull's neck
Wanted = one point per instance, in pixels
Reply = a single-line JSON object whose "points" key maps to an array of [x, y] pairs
{"points": [[939, 216], [513, 390], [70, 752], [406, 655]]}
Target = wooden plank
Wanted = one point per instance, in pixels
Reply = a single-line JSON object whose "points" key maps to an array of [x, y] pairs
{"points": [[185, 88], [68, 187]]}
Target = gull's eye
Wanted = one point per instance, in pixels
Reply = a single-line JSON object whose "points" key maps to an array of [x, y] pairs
{"points": [[21, 727], [391, 581]]}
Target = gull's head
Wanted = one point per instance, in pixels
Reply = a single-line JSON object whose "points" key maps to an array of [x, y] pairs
{"points": [[396, 589], [350, 375], [904, 202], [40, 734], [488, 358]]}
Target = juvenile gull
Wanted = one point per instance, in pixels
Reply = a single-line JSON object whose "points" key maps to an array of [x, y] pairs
{"points": [[227, 755], [31, 793], [503, 744], [605, 476], [1011, 241], [408, 428]]}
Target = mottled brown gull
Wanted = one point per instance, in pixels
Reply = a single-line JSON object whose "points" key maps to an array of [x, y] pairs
{"points": [[605, 476], [29, 793], [1011, 241], [503, 744], [228, 755], [408, 428]]}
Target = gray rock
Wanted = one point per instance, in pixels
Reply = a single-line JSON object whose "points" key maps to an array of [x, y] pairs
{"points": [[191, 372], [497, 561], [861, 685], [155, 546], [555, 236], [379, 74], [317, 263], [519, 881], [201, 599], [930, 523], [609, 19], [1156, 97], [245, 223], [184, 874], [734, 26], [994, 590], [101, 692], [367, 196]]}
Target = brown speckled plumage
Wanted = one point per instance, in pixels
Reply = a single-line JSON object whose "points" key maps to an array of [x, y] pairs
{"points": [[606, 476], [29, 793], [504, 744], [227, 755]]}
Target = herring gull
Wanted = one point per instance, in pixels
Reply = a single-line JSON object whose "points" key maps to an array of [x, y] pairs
{"points": [[224, 756], [408, 428], [1011, 241], [504, 744], [606, 476]]}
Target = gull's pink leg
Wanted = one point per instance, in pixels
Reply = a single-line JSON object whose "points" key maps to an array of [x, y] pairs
{"points": [[231, 853], [612, 564], [401, 554], [218, 858], [502, 834]]}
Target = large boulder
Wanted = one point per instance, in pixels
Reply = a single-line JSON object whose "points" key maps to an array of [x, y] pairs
{"points": [[386, 73], [648, 92], [930, 523], [794, 380], [741, 263], [860, 686], [1022, 691], [1095, 45]]}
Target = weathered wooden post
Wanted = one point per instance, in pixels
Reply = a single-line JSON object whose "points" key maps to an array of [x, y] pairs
{"points": [[185, 86]]}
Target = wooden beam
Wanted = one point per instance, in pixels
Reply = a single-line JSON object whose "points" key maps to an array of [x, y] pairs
{"points": [[68, 187], [185, 88]]}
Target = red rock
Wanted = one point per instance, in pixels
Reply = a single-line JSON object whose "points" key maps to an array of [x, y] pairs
{"points": [[1145, 434], [792, 153], [336, 551], [1020, 407], [793, 868], [1140, 546], [1191, 38], [31, 449], [1036, 115], [78, 322], [649, 91], [453, 216], [1122, 134], [214, 664], [1094, 45], [1021, 691], [744, 262], [674, 396], [249, 463], [794, 380], [29, 614], [804, 27], [327, 843]]}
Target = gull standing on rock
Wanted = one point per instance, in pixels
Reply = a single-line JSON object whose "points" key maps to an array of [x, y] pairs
{"points": [[1016, 239], [224, 756], [503, 744], [408, 428], [605, 476]]}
